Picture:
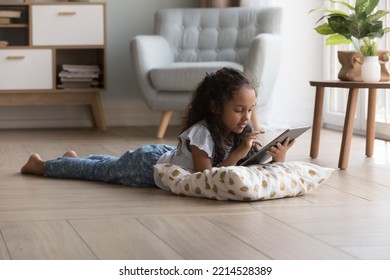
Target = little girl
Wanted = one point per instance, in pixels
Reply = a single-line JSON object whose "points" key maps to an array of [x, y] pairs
{"points": [[216, 133]]}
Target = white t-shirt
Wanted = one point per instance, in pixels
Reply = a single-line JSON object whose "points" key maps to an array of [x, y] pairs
{"points": [[197, 135]]}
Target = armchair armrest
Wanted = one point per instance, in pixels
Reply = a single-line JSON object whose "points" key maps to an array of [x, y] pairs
{"points": [[264, 62], [148, 52]]}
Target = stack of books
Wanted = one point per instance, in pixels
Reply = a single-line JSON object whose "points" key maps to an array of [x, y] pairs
{"points": [[79, 76], [6, 16]]}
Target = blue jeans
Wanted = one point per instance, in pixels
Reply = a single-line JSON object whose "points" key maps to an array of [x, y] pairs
{"points": [[133, 168]]}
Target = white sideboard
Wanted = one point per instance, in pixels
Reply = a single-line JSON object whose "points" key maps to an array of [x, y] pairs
{"points": [[35, 46]]}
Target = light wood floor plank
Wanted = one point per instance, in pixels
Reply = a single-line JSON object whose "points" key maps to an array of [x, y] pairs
{"points": [[361, 188], [351, 237], [196, 238], [44, 240], [122, 239], [370, 253], [346, 225], [327, 194], [345, 218], [132, 202], [344, 215], [11, 156], [276, 239], [283, 202], [3, 249]]}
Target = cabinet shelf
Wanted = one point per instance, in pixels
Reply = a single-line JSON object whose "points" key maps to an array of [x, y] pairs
{"points": [[41, 43], [16, 31], [81, 56], [14, 25]]}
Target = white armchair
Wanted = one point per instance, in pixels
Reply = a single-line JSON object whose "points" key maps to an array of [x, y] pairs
{"points": [[188, 42]]}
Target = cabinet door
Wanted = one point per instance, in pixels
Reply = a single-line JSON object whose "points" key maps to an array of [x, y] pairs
{"points": [[67, 25], [23, 69]]}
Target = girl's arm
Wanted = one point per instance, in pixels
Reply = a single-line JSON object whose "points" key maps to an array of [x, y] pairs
{"points": [[278, 152], [200, 159]]}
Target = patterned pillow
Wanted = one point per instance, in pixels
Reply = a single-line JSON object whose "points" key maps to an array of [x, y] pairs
{"points": [[257, 182]]}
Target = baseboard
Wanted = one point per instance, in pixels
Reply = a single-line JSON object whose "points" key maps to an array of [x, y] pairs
{"points": [[118, 112], [133, 113]]}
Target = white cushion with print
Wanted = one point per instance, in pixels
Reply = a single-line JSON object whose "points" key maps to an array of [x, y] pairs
{"points": [[257, 182]]}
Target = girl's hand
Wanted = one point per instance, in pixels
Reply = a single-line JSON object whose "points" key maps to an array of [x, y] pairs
{"points": [[278, 152], [249, 142], [241, 151]]}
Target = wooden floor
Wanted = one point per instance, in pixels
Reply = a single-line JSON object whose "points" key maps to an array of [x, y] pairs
{"points": [[43, 218]]}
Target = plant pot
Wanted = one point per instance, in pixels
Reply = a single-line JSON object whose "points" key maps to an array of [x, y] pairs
{"points": [[371, 69], [384, 57], [351, 65]]}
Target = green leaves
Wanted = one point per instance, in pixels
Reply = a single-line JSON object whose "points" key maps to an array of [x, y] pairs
{"points": [[343, 3], [324, 29], [329, 10], [334, 39], [377, 15], [360, 22], [337, 40], [340, 24], [368, 48], [365, 6], [365, 28]]}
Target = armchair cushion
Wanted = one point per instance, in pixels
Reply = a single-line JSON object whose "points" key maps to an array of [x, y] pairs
{"points": [[185, 76], [225, 34]]}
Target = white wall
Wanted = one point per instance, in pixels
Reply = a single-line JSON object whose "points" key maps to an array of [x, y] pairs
{"points": [[293, 97], [302, 61]]}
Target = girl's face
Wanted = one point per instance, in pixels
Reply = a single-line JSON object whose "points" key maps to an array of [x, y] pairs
{"points": [[238, 111]]}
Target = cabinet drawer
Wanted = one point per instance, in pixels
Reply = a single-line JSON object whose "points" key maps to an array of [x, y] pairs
{"points": [[67, 25], [26, 69]]}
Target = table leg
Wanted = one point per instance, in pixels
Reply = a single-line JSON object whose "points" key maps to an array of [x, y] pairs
{"points": [[97, 111], [348, 128], [370, 130], [317, 122]]}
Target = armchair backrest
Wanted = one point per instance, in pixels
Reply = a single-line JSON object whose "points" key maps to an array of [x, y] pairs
{"points": [[215, 34]]}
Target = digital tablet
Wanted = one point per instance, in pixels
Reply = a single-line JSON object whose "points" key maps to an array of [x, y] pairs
{"points": [[262, 156]]}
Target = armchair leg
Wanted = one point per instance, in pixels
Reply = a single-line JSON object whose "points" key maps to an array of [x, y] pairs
{"points": [[255, 121], [165, 118]]}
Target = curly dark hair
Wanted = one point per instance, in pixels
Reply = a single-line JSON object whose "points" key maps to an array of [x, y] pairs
{"points": [[207, 104]]}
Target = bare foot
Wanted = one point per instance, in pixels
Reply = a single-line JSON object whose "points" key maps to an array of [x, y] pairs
{"points": [[70, 154], [34, 165]]}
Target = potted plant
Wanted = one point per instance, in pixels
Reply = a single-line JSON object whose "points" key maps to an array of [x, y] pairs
{"points": [[371, 69], [359, 25]]}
